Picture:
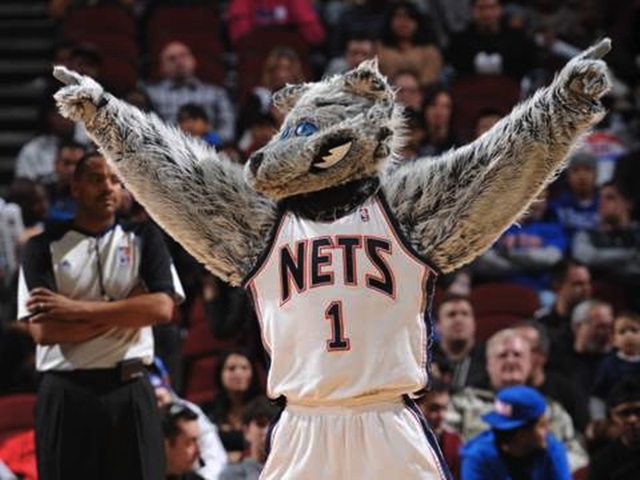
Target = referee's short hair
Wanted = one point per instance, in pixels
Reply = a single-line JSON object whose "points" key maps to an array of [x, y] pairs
{"points": [[81, 166]]}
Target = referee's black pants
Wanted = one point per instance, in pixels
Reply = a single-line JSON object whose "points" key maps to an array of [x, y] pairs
{"points": [[90, 425]]}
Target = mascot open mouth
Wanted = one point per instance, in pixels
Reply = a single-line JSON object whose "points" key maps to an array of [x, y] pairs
{"points": [[331, 153]]}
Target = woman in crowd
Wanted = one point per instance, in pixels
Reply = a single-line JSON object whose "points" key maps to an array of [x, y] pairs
{"points": [[405, 44]]}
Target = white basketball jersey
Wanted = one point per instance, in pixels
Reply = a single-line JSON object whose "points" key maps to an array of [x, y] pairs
{"points": [[341, 306]]}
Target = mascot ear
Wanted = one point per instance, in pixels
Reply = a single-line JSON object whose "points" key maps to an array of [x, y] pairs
{"points": [[366, 80], [285, 98]]}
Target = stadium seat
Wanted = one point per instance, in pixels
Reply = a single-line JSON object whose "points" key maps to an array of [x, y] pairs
{"points": [[98, 18], [198, 381], [109, 43], [184, 18], [118, 74], [199, 340], [200, 351], [611, 293], [473, 94], [581, 474], [17, 413], [500, 304]]}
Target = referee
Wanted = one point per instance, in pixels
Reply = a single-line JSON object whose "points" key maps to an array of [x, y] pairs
{"points": [[91, 289]]}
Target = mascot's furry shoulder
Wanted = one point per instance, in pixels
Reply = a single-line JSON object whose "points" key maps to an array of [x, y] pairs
{"points": [[335, 150]]}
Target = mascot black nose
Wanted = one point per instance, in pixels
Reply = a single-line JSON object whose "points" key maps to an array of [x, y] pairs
{"points": [[255, 161]]}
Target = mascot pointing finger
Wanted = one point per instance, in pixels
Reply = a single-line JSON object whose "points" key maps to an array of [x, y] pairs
{"points": [[339, 244]]}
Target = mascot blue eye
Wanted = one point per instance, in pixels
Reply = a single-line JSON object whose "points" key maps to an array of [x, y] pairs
{"points": [[306, 129]]}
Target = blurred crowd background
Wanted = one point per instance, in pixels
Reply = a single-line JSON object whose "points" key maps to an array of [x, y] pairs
{"points": [[554, 304]]}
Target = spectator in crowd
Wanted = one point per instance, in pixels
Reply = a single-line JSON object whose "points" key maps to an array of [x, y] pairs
{"points": [[62, 205], [18, 455], [405, 44], [281, 66], [409, 92], [509, 364], [577, 207], [36, 158], [260, 132], [245, 16], [489, 46], [437, 110], [91, 290], [626, 176], [31, 197], [578, 352], [519, 444], [433, 405], [256, 417], [624, 361], [611, 250], [620, 460], [181, 432], [212, 454], [236, 383], [553, 384], [457, 345], [193, 120], [525, 252], [360, 47], [571, 284], [180, 85]]}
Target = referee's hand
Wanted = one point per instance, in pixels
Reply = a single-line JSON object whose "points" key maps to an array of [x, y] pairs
{"points": [[46, 305]]}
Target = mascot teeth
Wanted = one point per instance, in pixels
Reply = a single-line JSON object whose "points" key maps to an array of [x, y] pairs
{"points": [[334, 156]]}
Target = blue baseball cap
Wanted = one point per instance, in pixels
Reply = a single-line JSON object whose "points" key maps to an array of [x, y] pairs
{"points": [[515, 407]]}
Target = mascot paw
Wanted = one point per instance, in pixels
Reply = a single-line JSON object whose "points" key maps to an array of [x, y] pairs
{"points": [[78, 100], [585, 76], [590, 79]]}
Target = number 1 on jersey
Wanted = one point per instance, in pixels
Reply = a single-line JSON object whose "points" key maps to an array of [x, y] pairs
{"points": [[338, 341]]}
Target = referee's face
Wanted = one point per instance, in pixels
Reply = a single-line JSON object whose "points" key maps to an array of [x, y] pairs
{"points": [[97, 189]]}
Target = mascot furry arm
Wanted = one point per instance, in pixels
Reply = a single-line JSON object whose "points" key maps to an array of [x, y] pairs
{"points": [[332, 152]]}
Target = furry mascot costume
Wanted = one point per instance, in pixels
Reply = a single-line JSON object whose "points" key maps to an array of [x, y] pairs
{"points": [[340, 244]]}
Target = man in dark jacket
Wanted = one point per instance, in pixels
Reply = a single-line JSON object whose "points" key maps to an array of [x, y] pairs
{"points": [[620, 460]]}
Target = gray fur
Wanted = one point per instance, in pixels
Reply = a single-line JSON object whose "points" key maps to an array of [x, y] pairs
{"points": [[451, 208]]}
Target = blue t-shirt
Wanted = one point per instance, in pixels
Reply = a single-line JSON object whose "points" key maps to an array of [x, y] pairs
{"points": [[574, 215], [481, 460]]}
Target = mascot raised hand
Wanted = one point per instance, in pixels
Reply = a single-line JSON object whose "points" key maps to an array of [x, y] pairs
{"points": [[339, 243]]}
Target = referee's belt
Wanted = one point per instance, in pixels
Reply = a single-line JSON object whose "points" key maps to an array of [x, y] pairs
{"points": [[125, 371]]}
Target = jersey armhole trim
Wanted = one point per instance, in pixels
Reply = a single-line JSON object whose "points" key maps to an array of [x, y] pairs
{"points": [[266, 253], [395, 227]]}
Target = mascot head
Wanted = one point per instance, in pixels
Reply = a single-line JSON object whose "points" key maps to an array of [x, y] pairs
{"points": [[338, 130]]}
